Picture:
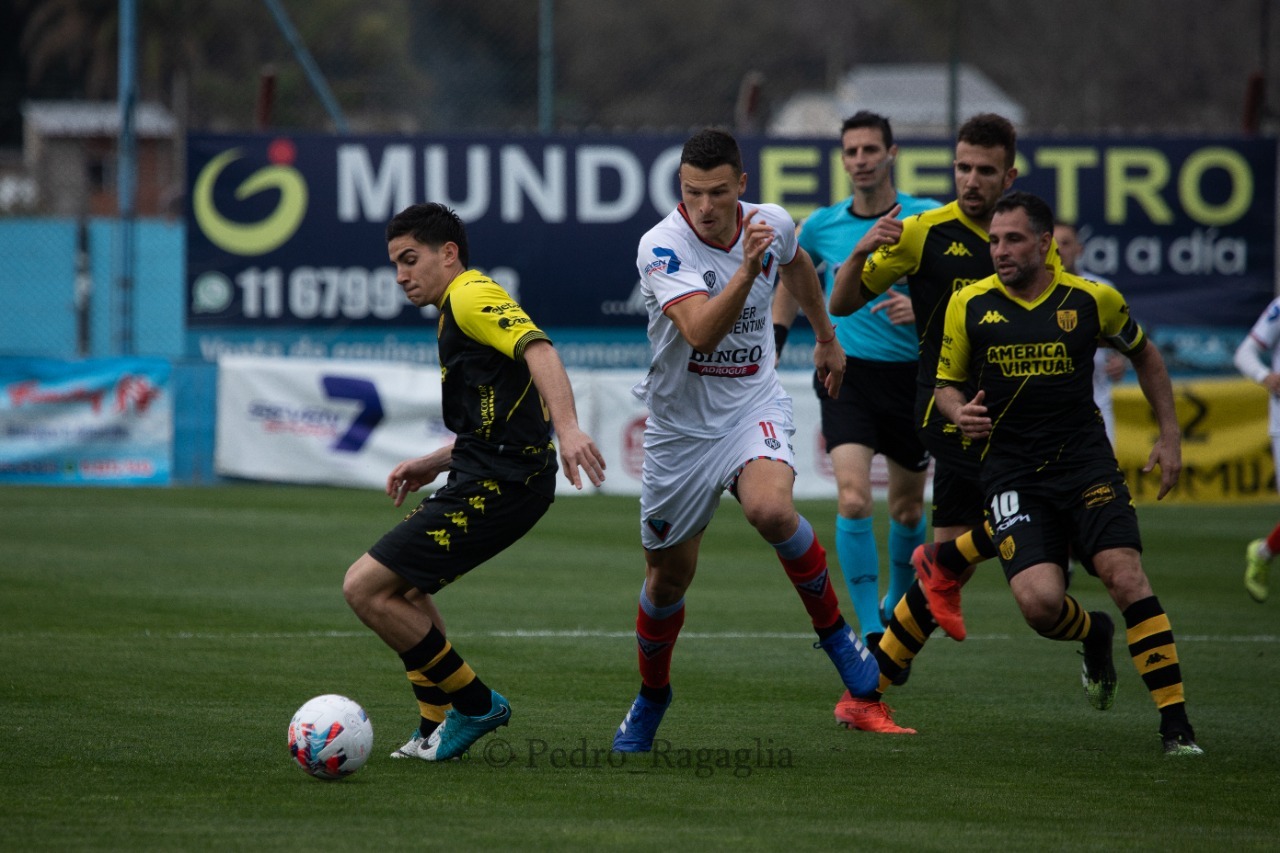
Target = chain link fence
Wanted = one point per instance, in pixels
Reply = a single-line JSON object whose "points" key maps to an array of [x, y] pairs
{"points": [[437, 67]]}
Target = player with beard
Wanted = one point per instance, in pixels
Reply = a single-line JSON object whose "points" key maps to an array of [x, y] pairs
{"points": [[1015, 371]]}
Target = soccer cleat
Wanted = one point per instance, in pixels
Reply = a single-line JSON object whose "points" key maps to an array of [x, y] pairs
{"points": [[1098, 675], [857, 666], [1256, 570], [455, 735], [415, 748], [867, 715], [640, 725], [1180, 743], [886, 615], [941, 590]]}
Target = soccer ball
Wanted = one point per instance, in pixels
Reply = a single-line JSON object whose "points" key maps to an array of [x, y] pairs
{"points": [[330, 736]]}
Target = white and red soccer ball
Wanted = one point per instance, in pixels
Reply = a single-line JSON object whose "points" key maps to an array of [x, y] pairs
{"points": [[330, 737]]}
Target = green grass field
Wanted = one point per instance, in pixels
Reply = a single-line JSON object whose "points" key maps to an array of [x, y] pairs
{"points": [[154, 644]]}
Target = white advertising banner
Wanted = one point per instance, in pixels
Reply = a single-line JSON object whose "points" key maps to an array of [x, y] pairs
{"points": [[348, 423], [342, 423]]}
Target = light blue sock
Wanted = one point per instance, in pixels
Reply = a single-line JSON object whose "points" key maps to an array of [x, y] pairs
{"points": [[902, 542], [798, 544], [860, 564], [653, 610]]}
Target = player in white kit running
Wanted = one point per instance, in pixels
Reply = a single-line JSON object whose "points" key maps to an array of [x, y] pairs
{"points": [[1263, 339], [718, 417]]}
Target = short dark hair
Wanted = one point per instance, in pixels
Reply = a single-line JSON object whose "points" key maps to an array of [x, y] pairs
{"points": [[866, 118], [989, 130], [1039, 214], [431, 224], [711, 147]]}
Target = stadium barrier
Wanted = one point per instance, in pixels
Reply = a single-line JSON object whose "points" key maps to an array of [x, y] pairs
{"points": [[150, 421]]}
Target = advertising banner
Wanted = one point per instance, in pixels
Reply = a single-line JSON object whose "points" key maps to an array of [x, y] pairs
{"points": [[322, 421], [1226, 451], [286, 254], [348, 423], [95, 422]]}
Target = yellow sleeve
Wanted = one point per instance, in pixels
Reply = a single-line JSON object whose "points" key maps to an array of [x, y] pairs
{"points": [[1117, 327], [486, 313], [953, 358], [890, 264]]}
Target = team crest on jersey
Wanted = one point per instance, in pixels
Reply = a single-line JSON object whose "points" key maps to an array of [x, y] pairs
{"points": [[709, 278], [1007, 548], [766, 264], [1067, 320], [660, 526]]}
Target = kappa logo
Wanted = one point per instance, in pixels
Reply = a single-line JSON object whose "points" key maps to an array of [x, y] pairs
{"points": [[459, 519], [1155, 658], [441, 537], [993, 316], [477, 503], [958, 249]]}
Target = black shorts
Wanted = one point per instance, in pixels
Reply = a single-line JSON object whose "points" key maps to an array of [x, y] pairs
{"points": [[875, 408], [463, 524], [1049, 517], [958, 497]]}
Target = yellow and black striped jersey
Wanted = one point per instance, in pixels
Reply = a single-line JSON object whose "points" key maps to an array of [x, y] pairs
{"points": [[488, 396], [1034, 360], [939, 252]]}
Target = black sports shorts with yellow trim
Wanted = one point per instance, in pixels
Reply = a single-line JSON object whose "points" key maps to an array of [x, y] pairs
{"points": [[958, 497], [463, 524], [1049, 517], [875, 408]]}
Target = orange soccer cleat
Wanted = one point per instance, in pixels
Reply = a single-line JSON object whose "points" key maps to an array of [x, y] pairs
{"points": [[868, 715], [941, 589]]}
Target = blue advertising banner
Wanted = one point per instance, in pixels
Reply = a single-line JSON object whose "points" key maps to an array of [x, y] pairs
{"points": [[286, 256], [94, 422]]}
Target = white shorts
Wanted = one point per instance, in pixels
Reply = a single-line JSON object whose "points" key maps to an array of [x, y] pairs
{"points": [[683, 477]]}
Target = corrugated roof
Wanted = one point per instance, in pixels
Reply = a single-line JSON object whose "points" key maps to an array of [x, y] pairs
{"points": [[95, 118]]}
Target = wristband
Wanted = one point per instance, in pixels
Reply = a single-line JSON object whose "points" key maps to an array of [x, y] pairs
{"points": [[828, 340], [780, 333]]}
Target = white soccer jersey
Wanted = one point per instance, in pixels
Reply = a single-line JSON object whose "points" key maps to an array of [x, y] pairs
{"points": [[699, 394], [1266, 334]]}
